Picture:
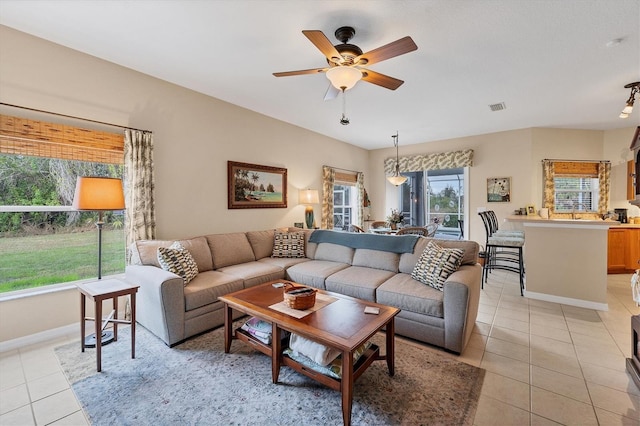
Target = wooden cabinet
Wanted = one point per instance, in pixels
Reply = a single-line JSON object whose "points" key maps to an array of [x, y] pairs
{"points": [[623, 250]]}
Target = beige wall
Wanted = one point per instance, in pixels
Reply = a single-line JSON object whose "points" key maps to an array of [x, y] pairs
{"points": [[516, 154], [195, 135]]}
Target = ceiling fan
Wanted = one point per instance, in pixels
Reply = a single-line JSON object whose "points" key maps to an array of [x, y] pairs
{"points": [[346, 61]]}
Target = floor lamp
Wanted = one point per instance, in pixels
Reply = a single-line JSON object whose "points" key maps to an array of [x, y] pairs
{"points": [[98, 194]]}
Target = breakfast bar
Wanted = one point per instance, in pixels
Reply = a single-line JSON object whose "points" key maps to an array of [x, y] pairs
{"points": [[566, 260]]}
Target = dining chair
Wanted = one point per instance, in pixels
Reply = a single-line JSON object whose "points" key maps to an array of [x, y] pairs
{"points": [[431, 229], [413, 230], [355, 228], [378, 224]]}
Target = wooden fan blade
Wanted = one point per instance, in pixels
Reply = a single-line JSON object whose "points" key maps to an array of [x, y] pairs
{"points": [[332, 93], [300, 72], [381, 79], [393, 49], [323, 44]]}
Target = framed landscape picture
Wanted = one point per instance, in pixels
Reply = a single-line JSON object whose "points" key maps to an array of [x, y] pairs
{"points": [[253, 186], [499, 190]]}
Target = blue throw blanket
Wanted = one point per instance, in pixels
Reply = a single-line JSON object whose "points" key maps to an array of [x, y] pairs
{"points": [[391, 243]]}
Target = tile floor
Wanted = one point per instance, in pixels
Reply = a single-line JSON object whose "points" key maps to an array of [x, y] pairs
{"points": [[546, 364]]}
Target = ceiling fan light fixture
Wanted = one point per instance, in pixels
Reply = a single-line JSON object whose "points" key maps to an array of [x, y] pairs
{"points": [[343, 77]]}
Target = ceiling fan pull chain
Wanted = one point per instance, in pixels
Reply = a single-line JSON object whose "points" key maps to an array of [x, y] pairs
{"points": [[344, 120]]}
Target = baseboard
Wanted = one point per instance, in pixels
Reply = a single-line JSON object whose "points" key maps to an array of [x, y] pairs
{"points": [[567, 301], [43, 336]]}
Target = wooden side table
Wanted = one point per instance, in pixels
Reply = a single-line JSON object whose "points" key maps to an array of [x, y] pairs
{"points": [[99, 291]]}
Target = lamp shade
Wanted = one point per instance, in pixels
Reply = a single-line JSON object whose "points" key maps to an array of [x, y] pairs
{"points": [[98, 193], [308, 196], [397, 180], [343, 77]]}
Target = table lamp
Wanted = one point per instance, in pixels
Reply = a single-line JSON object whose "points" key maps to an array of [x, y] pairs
{"points": [[98, 194], [309, 197]]}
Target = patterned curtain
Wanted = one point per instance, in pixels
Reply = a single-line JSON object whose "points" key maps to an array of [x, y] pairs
{"points": [[328, 180], [604, 179], [439, 161], [360, 201], [549, 187], [139, 186]]}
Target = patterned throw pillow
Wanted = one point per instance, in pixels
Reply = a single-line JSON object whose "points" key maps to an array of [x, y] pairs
{"points": [[436, 264], [178, 260], [288, 244]]}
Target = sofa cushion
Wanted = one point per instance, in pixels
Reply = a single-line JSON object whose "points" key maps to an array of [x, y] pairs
{"points": [[314, 272], [283, 262], [409, 260], [407, 294], [230, 249], [334, 253], [436, 264], [357, 281], [288, 244], [178, 260], [207, 287], [261, 243], [254, 273], [145, 252], [376, 259]]}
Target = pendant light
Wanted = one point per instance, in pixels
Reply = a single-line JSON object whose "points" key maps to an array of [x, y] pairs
{"points": [[396, 179]]}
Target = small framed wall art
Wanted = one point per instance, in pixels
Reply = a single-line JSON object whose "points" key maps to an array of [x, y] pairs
{"points": [[499, 190], [253, 186], [531, 210]]}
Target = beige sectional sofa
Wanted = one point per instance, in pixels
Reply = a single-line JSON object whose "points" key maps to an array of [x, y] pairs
{"points": [[230, 262]]}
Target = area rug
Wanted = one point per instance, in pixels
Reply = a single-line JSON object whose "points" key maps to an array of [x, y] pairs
{"points": [[196, 383]]}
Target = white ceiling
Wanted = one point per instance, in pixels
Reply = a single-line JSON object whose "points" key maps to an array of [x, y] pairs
{"points": [[552, 62]]}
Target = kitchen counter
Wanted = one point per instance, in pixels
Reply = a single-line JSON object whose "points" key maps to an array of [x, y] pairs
{"points": [[565, 259]]}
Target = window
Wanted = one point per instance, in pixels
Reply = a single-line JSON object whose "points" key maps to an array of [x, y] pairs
{"points": [[343, 206], [576, 194], [42, 240], [434, 196]]}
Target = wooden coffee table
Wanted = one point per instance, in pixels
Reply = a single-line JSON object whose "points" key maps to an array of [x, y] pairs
{"points": [[341, 324]]}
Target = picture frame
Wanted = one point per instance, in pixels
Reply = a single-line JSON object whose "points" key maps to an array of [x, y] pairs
{"points": [[499, 190], [253, 186], [531, 210]]}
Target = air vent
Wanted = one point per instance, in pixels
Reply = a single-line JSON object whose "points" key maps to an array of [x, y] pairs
{"points": [[498, 107]]}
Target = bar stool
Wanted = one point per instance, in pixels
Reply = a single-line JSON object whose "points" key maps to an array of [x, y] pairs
{"points": [[503, 250]]}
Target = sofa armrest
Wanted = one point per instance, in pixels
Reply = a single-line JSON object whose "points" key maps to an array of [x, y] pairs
{"points": [[461, 298], [160, 301]]}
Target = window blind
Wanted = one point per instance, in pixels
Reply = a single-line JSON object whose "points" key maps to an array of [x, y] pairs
{"points": [[23, 136]]}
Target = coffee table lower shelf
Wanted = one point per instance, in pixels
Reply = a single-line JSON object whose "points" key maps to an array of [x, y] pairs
{"points": [[370, 355]]}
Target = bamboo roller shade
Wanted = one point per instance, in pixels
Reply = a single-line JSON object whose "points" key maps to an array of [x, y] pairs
{"points": [[345, 177], [23, 136], [571, 168]]}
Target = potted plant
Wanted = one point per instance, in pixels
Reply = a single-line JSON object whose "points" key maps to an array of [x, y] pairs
{"points": [[394, 218]]}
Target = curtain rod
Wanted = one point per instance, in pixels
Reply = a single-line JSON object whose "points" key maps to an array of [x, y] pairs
{"points": [[343, 170], [74, 117], [576, 161]]}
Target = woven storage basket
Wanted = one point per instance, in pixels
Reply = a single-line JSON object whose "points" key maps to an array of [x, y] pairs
{"points": [[299, 301]]}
